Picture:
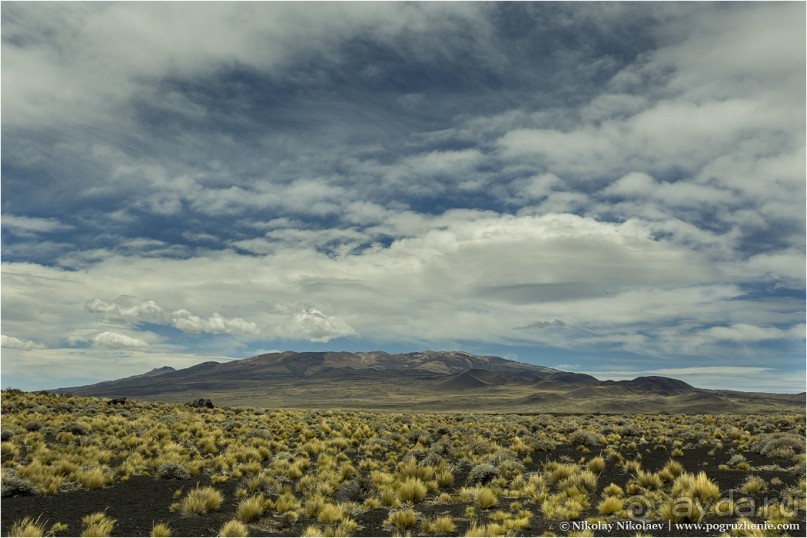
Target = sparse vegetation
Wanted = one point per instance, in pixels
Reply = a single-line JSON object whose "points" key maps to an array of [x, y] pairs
{"points": [[339, 473]]}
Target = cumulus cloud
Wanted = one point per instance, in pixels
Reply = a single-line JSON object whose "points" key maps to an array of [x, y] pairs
{"points": [[125, 308], [11, 342], [188, 322], [107, 339], [313, 325]]}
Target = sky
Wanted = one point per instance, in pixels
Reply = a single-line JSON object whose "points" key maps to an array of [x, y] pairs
{"points": [[616, 189]]}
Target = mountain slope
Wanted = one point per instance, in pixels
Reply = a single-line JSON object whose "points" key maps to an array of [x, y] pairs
{"points": [[426, 380]]}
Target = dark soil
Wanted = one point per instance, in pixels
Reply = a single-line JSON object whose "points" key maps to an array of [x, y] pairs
{"points": [[140, 502]]}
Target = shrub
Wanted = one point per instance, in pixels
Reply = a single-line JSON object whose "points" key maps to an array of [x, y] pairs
{"points": [[439, 526], [27, 527], [173, 471], [412, 490], [485, 498], [346, 527], [491, 529], [444, 478], [14, 484], [700, 487], [610, 506], [597, 465], [160, 530], [93, 478], [673, 468], [287, 503], [483, 474], [76, 429], [201, 501], [555, 472], [402, 519], [754, 484], [778, 445], [585, 438], [355, 490], [648, 480], [329, 514], [250, 509], [97, 524], [233, 528]]}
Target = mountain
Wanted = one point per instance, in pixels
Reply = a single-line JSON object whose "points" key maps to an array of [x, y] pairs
{"points": [[423, 381]]}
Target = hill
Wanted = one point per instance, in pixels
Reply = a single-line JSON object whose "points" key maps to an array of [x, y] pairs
{"points": [[424, 381]]}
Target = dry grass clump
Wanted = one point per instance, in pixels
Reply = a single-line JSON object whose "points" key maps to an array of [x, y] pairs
{"points": [[485, 498], [201, 500], [597, 465], [251, 508], [695, 487], [401, 520], [97, 524], [439, 526], [610, 506], [27, 527], [233, 528], [754, 484], [93, 478], [412, 490], [160, 530], [330, 514]]}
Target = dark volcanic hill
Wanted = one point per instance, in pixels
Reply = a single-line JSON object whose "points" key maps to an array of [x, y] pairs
{"points": [[427, 380]]}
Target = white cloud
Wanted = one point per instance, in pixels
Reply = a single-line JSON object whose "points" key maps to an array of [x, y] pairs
{"points": [[743, 332], [22, 225], [100, 56], [125, 308], [107, 339], [311, 324], [188, 322], [11, 342]]}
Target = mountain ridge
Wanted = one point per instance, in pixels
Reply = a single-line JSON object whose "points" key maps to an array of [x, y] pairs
{"points": [[423, 379]]}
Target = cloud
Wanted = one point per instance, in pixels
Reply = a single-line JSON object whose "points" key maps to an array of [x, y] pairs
{"points": [[29, 226], [750, 378], [743, 332], [185, 321], [425, 174], [312, 325], [543, 324], [11, 342], [108, 339], [125, 308]]}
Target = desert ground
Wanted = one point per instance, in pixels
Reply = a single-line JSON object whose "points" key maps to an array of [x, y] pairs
{"points": [[80, 466]]}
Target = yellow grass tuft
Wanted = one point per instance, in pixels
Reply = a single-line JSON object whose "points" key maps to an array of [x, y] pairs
{"points": [[160, 530], [233, 528], [97, 524], [250, 509], [27, 527], [201, 500]]}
